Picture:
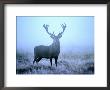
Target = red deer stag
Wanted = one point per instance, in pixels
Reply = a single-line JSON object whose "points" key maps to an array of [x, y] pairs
{"points": [[51, 51]]}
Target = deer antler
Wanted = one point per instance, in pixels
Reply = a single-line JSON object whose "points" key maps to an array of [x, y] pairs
{"points": [[46, 28], [63, 26]]}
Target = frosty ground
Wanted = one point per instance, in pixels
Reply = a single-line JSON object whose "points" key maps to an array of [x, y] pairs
{"points": [[68, 63]]}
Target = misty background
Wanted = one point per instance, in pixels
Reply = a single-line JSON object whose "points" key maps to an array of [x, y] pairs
{"points": [[78, 35]]}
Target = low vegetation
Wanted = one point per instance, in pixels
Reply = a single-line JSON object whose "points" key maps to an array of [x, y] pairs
{"points": [[68, 63]]}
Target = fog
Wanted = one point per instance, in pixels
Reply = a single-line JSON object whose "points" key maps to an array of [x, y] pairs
{"points": [[78, 35]]}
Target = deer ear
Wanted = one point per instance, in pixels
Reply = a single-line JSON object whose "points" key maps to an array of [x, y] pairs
{"points": [[59, 36], [52, 36]]}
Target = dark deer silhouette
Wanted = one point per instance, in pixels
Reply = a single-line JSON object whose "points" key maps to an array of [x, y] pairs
{"points": [[51, 51]]}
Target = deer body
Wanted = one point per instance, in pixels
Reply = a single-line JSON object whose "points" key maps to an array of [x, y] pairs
{"points": [[46, 51], [51, 51]]}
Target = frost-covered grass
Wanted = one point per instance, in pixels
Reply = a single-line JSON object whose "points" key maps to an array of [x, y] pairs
{"points": [[68, 63]]}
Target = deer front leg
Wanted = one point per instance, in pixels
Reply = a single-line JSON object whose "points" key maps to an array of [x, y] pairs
{"points": [[56, 58], [51, 61]]}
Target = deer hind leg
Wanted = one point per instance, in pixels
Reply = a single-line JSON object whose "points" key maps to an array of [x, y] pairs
{"points": [[51, 61], [38, 59], [56, 58], [34, 60]]}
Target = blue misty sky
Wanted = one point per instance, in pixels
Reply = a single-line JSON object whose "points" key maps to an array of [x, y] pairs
{"points": [[79, 32]]}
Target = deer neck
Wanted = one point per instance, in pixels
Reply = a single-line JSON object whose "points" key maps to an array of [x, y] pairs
{"points": [[56, 46], [56, 43]]}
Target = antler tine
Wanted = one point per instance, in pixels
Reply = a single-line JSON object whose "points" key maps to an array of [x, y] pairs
{"points": [[63, 26], [46, 27], [53, 33]]}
